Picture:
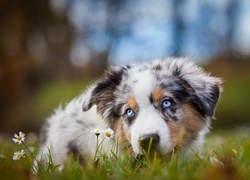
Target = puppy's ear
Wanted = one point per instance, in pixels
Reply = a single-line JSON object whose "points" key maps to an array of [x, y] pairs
{"points": [[87, 102], [204, 90], [102, 93], [207, 91]]}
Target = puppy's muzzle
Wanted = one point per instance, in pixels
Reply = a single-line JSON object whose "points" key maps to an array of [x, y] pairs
{"points": [[150, 141]]}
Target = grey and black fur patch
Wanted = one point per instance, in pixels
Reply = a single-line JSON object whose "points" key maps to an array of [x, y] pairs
{"points": [[84, 124], [44, 133], [158, 67], [74, 150], [204, 100], [103, 94], [209, 99]]}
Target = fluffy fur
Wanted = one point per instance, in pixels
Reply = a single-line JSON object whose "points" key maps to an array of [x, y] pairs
{"points": [[169, 101]]}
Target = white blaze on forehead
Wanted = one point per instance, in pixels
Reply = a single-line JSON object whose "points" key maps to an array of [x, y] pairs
{"points": [[143, 83]]}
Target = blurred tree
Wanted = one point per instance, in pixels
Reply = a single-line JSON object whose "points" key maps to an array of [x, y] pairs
{"points": [[29, 31], [232, 10], [178, 26]]}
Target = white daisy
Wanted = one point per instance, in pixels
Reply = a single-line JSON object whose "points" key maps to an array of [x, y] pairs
{"points": [[96, 131], [19, 138], [109, 133], [18, 155]]}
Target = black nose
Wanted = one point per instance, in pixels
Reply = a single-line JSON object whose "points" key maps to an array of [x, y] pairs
{"points": [[146, 140]]}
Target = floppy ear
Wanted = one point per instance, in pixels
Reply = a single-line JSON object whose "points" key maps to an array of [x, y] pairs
{"points": [[203, 89], [102, 93], [206, 93]]}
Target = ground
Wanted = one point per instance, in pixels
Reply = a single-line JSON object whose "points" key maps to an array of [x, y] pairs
{"points": [[226, 155]]}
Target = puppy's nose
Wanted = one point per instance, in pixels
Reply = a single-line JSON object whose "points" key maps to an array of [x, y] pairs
{"points": [[146, 139]]}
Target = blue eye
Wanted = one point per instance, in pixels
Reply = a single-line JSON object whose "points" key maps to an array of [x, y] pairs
{"points": [[129, 112], [166, 103]]}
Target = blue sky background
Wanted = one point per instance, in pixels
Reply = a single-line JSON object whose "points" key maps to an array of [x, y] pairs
{"points": [[144, 29]]}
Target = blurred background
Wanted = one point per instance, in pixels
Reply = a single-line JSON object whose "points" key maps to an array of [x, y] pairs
{"points": [[50, 50]]}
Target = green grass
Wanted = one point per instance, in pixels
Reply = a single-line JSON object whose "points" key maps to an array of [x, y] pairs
{"points": [[226, 155]]}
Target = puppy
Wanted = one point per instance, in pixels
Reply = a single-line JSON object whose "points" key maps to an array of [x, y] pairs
{"points": [[165, 104]]}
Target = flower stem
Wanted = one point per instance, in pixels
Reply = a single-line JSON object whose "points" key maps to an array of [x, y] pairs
{"points": [[96, 149], [30, 152]]}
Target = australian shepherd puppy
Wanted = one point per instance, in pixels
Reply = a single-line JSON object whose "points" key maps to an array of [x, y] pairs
{"points": [[165, 103]]}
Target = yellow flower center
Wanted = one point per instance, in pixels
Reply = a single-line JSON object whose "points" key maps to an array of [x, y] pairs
{"points": [[108, 134], [19, 138], [97, 131], [19, 156]]}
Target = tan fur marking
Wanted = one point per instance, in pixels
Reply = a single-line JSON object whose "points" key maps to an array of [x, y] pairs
{"points": [[121, 136], [132, 103], [187, 129], [158, 94], [128, 136], [176, 135]]}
